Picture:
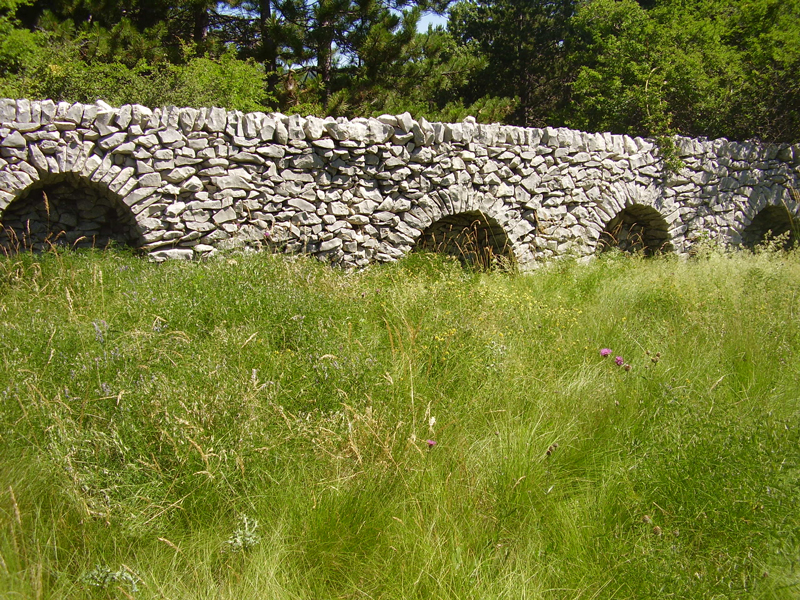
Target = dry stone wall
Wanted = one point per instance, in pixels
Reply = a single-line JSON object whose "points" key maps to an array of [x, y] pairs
{"points": [[186, 182]]}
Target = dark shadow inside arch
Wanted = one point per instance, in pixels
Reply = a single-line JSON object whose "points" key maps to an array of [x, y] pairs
{"points": [[772, 223], [67, 213], [475, 239], [637, 228]]}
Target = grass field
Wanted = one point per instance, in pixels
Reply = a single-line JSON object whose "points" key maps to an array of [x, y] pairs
{"points": [[263, 427]]}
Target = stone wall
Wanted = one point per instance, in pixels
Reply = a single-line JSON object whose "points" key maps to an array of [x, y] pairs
{"points": [[184, 182]]}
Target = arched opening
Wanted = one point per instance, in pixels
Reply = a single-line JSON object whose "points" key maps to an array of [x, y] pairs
{"points": [[637, 228], [772, 223], [475, 239], [67, 213]]}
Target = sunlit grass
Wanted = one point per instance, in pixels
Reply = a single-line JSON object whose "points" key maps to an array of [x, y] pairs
{"points": [[147, 410]]}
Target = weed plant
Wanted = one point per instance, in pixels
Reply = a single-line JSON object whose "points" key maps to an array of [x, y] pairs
{"points": [[264, 427]]}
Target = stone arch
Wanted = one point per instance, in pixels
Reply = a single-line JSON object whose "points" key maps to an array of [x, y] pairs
{"points": [[498, 224], [473, 237], [636, 228], [67, 210], [771, 222]]}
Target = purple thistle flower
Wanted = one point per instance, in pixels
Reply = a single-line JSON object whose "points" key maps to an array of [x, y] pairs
{"points": [[431, 443], [619, 361], [605, 352]]}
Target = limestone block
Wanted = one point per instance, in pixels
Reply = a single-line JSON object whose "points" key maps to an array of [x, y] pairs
{"points": [[357, 219], [140, 115], [121, 179], [235, 179], [173, 254], [271, 151], [37, 157], [8, 110], [187, 118], [14, 140], [267, 131], [280, 134], [358, 130], [169, 136], [247, 157], [224, 216], [405, 122], [380, 132], [295, 128], [252, 124], [324, 143], [314, 128], [308, 161], [23, 112], [337, 131], [193, 184], [367, 207], [338, 209], [163, 164], [197, 144], [104, 122], [216, 120], [329, 245], [148, 141], [301, 204], [105, 179], [138, 195], [112, 141]]}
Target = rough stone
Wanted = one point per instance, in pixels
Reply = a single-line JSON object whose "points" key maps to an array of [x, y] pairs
{"points": [[168, 136], [14, 140], [369, 189]]}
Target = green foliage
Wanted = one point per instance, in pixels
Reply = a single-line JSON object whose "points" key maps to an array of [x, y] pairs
{"points": [[226, 81], [696, 69], [430, 81], [15, 43], [147, 408], [57, 71], [526, 46], [656, 68]]}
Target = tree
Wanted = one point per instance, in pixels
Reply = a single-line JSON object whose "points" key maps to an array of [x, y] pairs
{"points": [[702, 68], [527, 44], [16, 43]]}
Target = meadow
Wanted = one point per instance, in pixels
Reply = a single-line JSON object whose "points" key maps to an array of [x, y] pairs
{"points": [[260, 426]]}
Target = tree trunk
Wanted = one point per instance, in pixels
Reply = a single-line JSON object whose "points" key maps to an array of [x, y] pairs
{"points": [[201, 22], [325, 60], [269, 49]]}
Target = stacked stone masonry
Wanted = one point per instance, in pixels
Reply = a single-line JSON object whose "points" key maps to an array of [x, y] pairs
{"points": [[186, 182]]}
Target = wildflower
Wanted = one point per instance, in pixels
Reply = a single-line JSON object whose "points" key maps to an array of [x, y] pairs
{"points": [[99, 328], [619, 360], [431, 443], [627, 367], [605, 352]]}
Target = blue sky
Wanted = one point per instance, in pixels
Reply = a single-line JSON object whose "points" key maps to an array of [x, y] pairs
{"points": [[430, 19]]}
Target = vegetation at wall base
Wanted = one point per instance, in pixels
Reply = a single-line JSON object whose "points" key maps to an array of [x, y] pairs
{"points": [[265, 426]]}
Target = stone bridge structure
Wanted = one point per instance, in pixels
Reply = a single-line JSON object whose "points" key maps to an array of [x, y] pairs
{"points": [[186, 182]]}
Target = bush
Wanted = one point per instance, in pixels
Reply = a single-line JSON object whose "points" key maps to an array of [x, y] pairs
{"points": [[58, 71]]}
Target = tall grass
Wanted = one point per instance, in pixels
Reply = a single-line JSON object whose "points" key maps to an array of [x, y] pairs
{"points": [[264, 427]]}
